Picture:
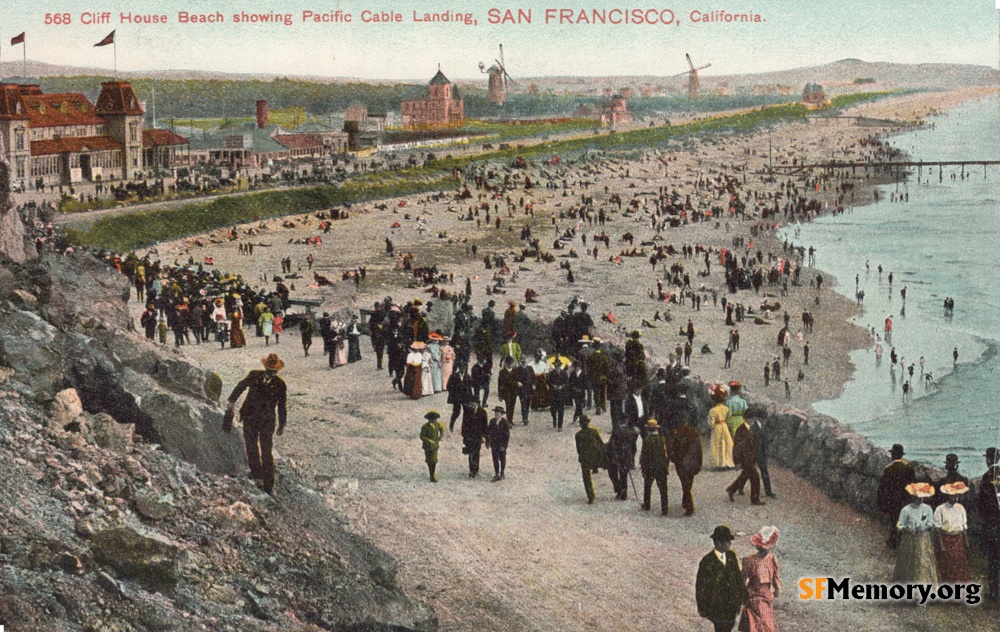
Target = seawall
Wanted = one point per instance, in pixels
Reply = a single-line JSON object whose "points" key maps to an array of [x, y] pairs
{"points": [[841, 463]]}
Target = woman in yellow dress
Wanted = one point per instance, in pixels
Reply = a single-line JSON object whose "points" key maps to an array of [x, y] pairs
{"points": [[720, 452]]}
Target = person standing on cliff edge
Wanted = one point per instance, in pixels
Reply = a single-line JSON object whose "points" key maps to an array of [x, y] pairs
{"points": [[263, 407], [892, 495]]}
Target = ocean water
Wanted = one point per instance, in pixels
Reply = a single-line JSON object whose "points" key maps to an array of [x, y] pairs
{"points": [[943, 242]]}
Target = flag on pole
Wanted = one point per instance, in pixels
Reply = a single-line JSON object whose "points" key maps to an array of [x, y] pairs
{"points": [[19, 39], [110, 39]]}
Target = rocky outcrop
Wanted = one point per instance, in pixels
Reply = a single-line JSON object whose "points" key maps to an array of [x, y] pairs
{"points": [[13, 242], [118, 511], [148, 558], [77, 338]]}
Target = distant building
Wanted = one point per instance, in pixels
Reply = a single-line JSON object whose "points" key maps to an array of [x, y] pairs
{"points": [[259, 146], [612, 113], [334, 140], [439, 103], [366, 120], [357, 112], [64, 138], [813, 96], [616, 112]]}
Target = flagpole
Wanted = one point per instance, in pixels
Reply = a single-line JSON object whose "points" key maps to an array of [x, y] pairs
{"points": [[114, 45], [24, 59]]}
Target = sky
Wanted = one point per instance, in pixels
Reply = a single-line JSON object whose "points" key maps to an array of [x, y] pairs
{"points": [[791, 33]]}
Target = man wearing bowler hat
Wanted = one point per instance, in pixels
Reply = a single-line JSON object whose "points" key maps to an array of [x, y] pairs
{"points": [[719, 587], [264, 405], [951, 476], [892, 495], [498, 438]]}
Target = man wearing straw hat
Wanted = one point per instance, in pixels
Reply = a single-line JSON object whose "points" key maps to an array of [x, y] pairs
{"points": [[264, 405]]}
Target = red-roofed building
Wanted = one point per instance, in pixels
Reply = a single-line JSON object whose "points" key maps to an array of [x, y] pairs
{"points": [[160, 146], [436, 104], [64, 138]]}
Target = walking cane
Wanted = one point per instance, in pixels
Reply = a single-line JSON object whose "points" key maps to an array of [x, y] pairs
{"points": [[632, 480]]}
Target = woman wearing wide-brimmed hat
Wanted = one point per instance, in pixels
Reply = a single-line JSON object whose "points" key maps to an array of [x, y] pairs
{"points": [[720, 451], [916, 562], [952, 528], [412, 382], [761, 574]]}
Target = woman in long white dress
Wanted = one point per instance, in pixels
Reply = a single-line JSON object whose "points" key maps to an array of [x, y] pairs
{"points": [[915, 562], [434, 349], [427, 380]]}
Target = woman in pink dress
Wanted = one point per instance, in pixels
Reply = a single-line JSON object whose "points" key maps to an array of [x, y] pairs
{"points": [[278, 326], [447, 360], [760, 572]]}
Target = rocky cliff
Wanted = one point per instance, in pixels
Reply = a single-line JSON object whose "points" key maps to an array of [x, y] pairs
{"points": [[126, 506]]}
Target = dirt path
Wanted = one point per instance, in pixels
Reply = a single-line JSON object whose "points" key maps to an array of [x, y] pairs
{"points": [[528, 552]]}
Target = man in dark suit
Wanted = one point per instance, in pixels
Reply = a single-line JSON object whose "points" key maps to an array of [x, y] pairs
{"points": [[590, 453], [634, 409], [654, 464], [892, 495], [619, 454], [482, 371], [526, 381], [459, 394], [508, 385], [763, 446], [745, 456], [719, 586], [474, 425], [951, 476], [264, 405], [558, 380], [684, 448], [989, 510], [600, 370]]}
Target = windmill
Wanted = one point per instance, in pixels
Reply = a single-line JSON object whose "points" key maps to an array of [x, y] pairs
{"points": [[693, 84], [499, 79]]}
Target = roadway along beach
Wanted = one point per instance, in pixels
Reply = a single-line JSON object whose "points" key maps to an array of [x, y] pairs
{"points": [[528, 553]]}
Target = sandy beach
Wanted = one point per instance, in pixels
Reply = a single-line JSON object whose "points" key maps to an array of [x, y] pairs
{"points": [[528, 553]]}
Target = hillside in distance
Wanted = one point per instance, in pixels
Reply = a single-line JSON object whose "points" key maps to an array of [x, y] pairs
{"points": [[844, 72], [198, 94], [839, 76]]}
